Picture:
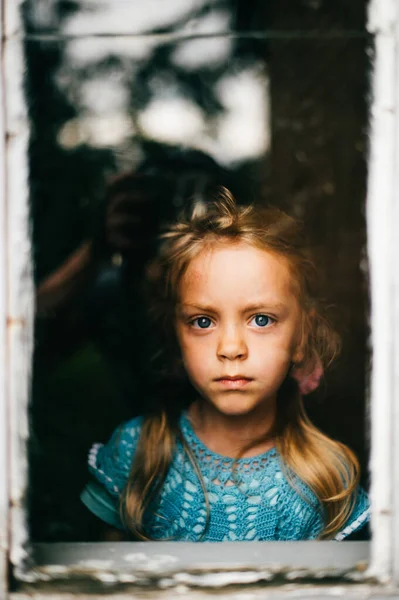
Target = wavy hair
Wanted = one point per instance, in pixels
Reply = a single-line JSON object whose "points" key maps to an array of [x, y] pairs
{"points": [[328, 467]]}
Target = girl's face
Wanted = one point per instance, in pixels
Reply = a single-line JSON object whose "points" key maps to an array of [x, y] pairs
{"points": [[238, 325]]}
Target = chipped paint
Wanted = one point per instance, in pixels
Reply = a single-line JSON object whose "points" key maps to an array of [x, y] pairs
{"points": [[287, 592], [207, 579], [253, 593], [382, 219], [3, 334], [193, 566], [135, 557], [220, 580], [20, 291], [196, 575], [16, 322], [150, 562], [96, 564]]}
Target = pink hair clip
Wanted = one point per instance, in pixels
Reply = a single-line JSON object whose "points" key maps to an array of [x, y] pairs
{"points": [[308, 381]]}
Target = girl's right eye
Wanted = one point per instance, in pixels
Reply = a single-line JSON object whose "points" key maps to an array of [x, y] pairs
{"points": [[201, 323]]}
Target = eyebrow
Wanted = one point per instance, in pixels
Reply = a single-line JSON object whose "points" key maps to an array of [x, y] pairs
{"points": [[259, 306], [265, 306]]}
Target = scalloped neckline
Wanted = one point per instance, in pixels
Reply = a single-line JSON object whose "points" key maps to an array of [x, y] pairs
{"points": [[188, 431]]}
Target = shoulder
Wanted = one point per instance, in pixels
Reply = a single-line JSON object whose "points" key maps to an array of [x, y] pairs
{"points": [[111, 463], [359, 516], [300, 515]]}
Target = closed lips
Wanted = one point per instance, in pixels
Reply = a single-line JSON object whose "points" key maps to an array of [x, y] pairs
{"points": [[235, 378], [233, 382]]}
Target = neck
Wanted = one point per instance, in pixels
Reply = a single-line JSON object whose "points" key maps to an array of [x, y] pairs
{"points": [[230, 435]]}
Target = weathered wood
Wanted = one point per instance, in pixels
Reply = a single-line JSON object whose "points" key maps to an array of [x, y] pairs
{"points": [[3, 310], [382, 219], [20, 291], [382, 216], [253, 593]]}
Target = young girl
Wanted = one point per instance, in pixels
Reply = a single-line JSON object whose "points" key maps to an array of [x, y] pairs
{"points": [[234, 295]]}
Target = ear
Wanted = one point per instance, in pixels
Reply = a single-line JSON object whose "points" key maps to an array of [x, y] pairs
{"points": [[298, 355], [308, 376]]}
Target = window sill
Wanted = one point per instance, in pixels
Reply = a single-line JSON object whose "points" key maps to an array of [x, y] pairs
{"points": [[173, 565]]}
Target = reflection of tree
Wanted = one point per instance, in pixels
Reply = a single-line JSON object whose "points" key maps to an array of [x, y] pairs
{"points": [[67, 182], [61, 181], [319, 90]]}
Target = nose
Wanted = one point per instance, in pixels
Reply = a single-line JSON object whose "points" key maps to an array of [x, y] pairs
{"points": [[232, 344]]}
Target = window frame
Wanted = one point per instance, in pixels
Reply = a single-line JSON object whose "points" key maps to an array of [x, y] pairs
{"points": [[16, 349], [3, 411]]}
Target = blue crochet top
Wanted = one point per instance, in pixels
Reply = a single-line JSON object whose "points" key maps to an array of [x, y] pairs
{"points": [[255, 502]]}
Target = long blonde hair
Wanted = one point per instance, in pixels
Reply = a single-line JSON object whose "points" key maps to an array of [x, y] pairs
{"points": [[329, 468]]}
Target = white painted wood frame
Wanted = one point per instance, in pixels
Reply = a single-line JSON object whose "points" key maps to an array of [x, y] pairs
{"points": [[17, 278], [17, 309], [3, 318], [383, 240]]}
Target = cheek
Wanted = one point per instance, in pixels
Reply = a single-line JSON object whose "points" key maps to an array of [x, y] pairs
{"points": [[183, 340], [277, 349], [195, 352], [197, 366], [276, 357]]}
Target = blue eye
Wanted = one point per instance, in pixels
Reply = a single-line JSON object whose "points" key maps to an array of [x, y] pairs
{"points": [[262, 320], [202, 322]]}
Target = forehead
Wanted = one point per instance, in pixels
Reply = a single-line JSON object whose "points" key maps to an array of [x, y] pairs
{"points": [[239, 269]]}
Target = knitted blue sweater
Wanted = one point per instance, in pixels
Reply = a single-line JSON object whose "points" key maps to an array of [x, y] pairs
{"points": [[255, 502]]}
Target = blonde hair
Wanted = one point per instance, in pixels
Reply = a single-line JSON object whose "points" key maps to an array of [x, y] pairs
{"points": [[329, 468]]}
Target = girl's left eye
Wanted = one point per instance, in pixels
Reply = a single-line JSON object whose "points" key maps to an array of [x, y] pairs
{"points": [[262, 321]]}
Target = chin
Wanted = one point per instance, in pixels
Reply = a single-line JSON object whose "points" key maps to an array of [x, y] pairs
{"points": [[235, 406]]}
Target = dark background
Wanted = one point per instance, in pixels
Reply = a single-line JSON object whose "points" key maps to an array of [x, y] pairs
{"points": [[297, 68]]}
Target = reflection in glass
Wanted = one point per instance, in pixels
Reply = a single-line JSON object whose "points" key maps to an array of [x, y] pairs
{"points": [[135, 109]]}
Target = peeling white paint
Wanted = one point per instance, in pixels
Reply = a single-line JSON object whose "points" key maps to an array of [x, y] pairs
{"points": [[382, 222], [160, 573], [96, 564], [220, 580], [127, 578], [136, 557], [301, 573], [194, 576], [150, 562], [253, 593], [20, 301], [56, 570], [107, 577], [382, 17], [3, 311]]}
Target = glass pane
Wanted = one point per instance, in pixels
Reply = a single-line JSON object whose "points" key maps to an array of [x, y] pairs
{"points": [[193, 17], [120, 110], [96, 17]]}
